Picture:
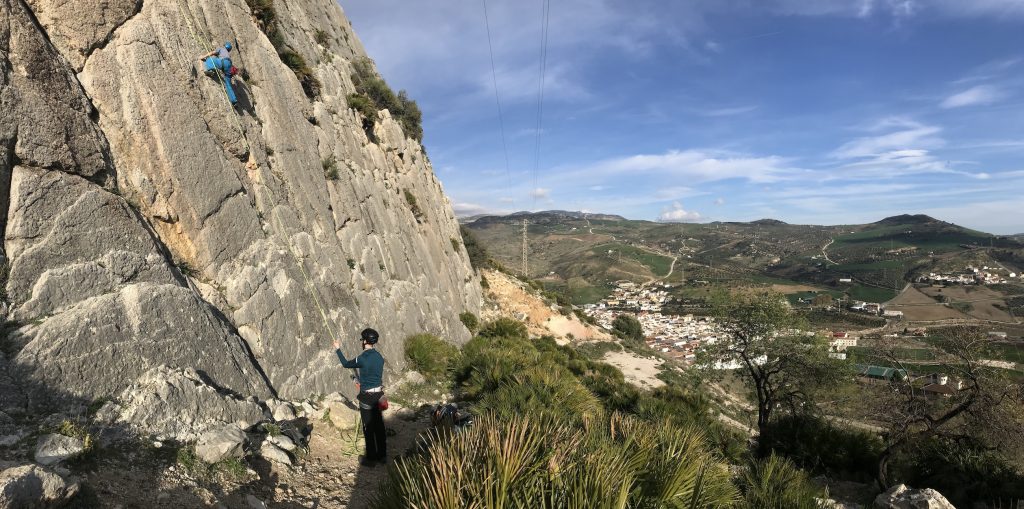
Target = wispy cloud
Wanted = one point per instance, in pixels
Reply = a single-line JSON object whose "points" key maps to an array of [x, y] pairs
{"points": [[728, 112], [676, 192], [540, 193], [677, 214], [909, 135], [697, 166], [473, 209], [977, 95]]}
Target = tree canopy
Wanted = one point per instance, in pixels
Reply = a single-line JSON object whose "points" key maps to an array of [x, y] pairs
{"points": [[768, 344]]}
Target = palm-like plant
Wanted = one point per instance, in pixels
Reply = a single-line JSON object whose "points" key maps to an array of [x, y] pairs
{"points": [[776, 483]]}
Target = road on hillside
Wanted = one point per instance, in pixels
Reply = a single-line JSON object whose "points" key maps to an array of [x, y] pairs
{"points": [[824, 251]]}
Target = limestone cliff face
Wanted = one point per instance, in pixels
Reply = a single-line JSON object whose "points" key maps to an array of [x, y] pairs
{"points": [[135, 236]]}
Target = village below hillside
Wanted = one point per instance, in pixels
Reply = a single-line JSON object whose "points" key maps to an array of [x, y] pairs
{"points": [[680, 336]]}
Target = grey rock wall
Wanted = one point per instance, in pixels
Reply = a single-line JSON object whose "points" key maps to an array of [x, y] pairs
{"points": [[136, 236]]}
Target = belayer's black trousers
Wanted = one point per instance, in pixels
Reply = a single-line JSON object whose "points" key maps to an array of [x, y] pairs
{"points": [[373, 425]]}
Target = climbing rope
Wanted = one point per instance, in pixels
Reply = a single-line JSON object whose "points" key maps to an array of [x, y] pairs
{"points": [[190, 22]]}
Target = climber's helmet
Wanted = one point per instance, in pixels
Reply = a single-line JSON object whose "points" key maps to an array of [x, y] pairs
{"points": [[227, 45], [370, 336]]}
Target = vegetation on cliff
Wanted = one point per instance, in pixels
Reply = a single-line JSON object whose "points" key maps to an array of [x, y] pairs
{"points": [[557, 429]]}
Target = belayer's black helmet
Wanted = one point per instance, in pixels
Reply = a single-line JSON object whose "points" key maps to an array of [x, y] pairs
{"points": [[370, 336]]}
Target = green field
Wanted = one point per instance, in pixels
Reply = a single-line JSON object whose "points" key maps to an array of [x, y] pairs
{"points": [[794, 298], [870, 293], [658, 264], [870, 267], [860, 353], [1007, 352]]}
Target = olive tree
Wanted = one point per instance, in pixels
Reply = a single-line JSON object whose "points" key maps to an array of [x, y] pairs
{"points": [[768, 345]]}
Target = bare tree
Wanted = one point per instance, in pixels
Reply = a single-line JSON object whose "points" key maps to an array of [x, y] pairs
{"points": [[978, 403]]}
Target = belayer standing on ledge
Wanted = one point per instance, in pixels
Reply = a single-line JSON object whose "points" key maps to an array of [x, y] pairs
{"points": [[370, 364], [220, 58]]}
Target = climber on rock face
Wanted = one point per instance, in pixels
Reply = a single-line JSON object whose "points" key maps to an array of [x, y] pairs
{"points": [[220, 59], [370, 364]]}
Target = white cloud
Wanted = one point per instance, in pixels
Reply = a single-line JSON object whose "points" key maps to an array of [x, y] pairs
{"points": [[719, 201], [728, 112], [540, 193], [472, 209], [977, 95], [696, 166], [899, 8], [676, 214], [912, 135], [676, 192]]}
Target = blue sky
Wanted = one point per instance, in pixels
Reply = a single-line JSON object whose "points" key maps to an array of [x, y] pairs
{"points": [[808, 111]]}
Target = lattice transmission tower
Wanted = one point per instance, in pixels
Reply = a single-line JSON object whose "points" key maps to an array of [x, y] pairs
{"points": [[526, 252]]}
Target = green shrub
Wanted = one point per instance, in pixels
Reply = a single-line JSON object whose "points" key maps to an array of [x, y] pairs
{"points": [[478, 256], [775, 482], [537, 461], [330, 167], [543, 389], [351, 263], [191, 464], [321, 38], [596, 350], [821, 447], [413, 205], [469, 320], [368, 110], [963, 471], [272, 429], [73, 429], [295, 62], [628, 328], [402, 108], [233, 468], [504, 328], [266, 18], [430, 355]]}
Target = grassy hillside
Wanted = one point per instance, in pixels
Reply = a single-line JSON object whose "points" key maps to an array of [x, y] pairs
{"points": [[582, 255], [557, 429]]}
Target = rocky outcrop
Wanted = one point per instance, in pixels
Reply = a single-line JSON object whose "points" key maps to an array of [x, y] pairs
{"points": [[178, 405], [30, 486], [221, 443], [53, 448], [902, 497], [137, 237]]}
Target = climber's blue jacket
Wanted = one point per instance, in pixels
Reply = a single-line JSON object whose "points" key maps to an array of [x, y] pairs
{"points": [[370, 364], [224, 64]]}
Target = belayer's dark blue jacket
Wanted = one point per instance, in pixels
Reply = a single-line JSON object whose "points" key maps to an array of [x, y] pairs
{"points": [[370, 364]]}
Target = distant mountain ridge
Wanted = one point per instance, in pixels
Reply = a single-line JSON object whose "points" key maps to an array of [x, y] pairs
{"points": [[544, 215]]}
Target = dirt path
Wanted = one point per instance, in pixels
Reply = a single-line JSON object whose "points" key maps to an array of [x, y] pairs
{"points": [[824, 251], [327, 477], [639, 371]]}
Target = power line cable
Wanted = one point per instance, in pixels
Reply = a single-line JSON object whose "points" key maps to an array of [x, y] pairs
{"points": [[545, 22], [497, 98]]}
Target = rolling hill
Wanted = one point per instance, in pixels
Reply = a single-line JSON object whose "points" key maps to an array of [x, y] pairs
{"points": [[583, 254]]}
